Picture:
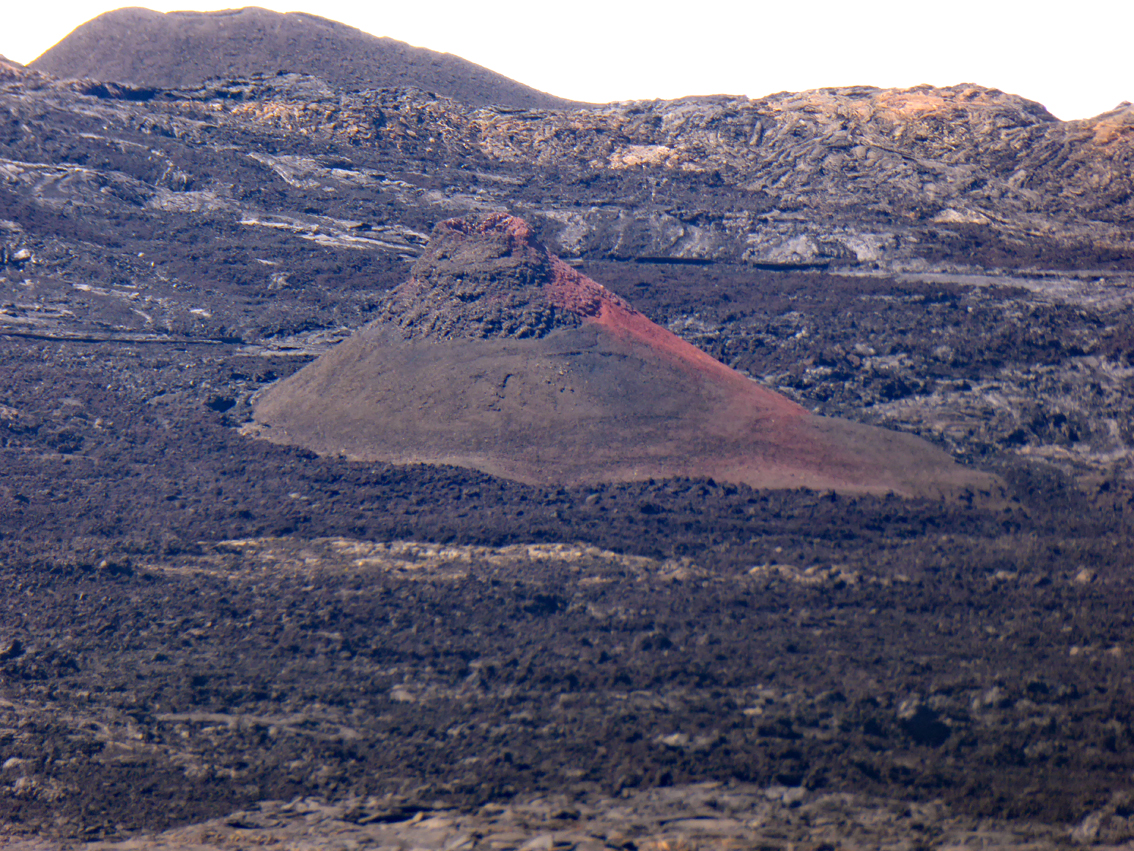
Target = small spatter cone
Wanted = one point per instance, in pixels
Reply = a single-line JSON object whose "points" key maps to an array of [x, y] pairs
{"points": [[516, 364]]}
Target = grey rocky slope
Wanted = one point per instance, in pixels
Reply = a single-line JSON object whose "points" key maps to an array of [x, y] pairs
{"points": [[146, 48]]}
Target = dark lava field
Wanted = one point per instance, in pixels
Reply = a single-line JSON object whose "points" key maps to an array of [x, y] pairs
{"points": [[199, 627]]}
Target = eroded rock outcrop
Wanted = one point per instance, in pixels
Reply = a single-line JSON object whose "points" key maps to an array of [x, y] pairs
{"points": [[481, 278], [827, 178]]}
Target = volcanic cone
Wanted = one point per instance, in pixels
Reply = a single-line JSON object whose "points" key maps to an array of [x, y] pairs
{"points": [[498, 356]]}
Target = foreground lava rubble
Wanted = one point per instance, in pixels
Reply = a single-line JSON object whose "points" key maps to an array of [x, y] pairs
{"points": [[156, 676]]}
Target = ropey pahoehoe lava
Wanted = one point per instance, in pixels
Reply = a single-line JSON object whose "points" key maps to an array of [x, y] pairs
{"points": [[498, 356]]}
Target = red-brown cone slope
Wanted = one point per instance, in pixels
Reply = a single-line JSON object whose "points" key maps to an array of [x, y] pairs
{"points": [[498, 356]]}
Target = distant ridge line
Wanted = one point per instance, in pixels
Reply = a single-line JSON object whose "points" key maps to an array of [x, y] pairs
{"points": [[142, 47]]}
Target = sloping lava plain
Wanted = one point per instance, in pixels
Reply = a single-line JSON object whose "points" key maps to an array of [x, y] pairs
{"points": [[195, 622]]}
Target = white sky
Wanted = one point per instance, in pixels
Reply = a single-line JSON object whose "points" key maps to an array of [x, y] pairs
{"points": [[1075, 58]]}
